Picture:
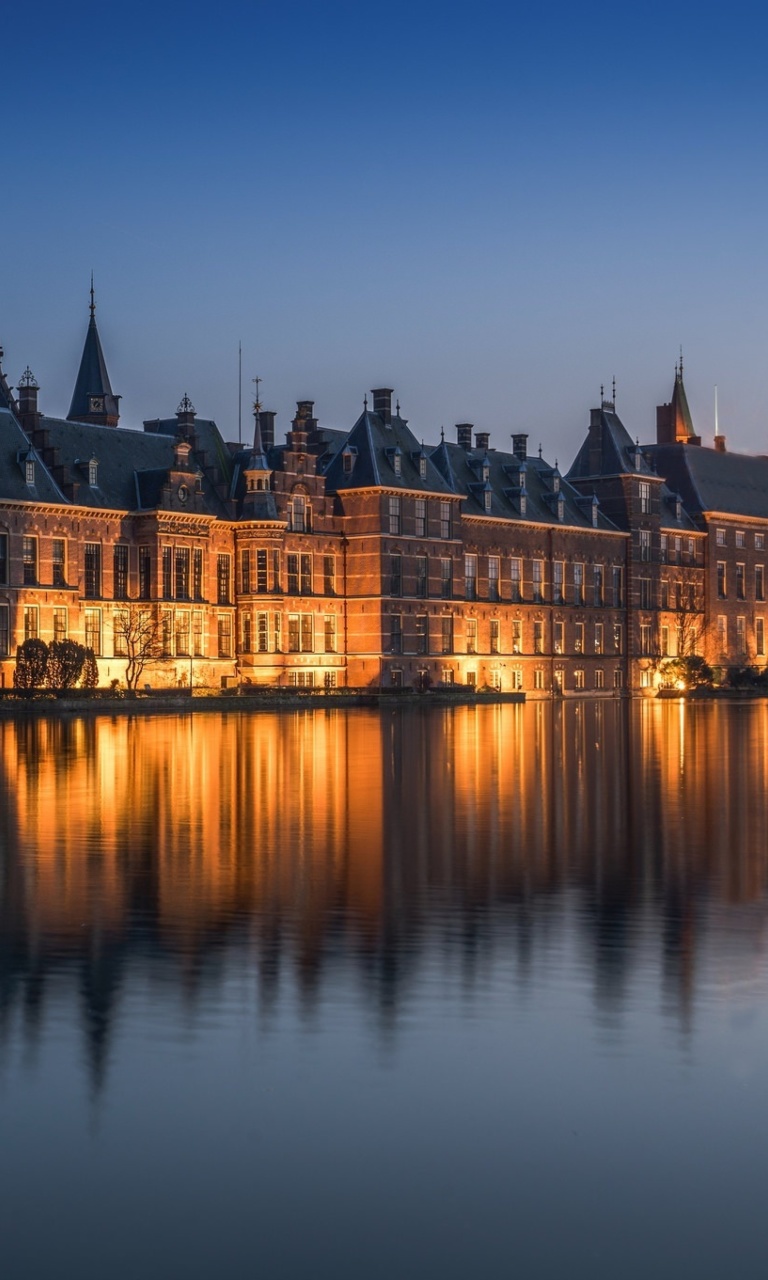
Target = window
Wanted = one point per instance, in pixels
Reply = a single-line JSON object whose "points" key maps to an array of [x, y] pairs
{"points": [[197, 633], [145, 573], [223, 585], [721, 580], [471, 634], [422, 467], [678, 594], [5, 637], [301, 679], [494, 570], [645, 498], [446, 578], [470, 577], [645, 639], [29, 471], [92, 570], [93, 473], [538, 678], [618, 637], [538, 637], [224, 633], [471, 679], [664, 593], [31, 622], [120, 571], [579, 640], [558, 636], [759, 582], [759, 637], [182, 632], [578, 584], [720, 537], [197, 573], [262, 633], [58, 559], [245, 571], [329, 575], [645, 544], [4, 559], [299, 514], [446, 634], [292, 570], [691, 550], [645, 593], [599, 577], [397, 462], [618, 678], [329, 632], [329, 679], [29, 560], [578, 678], [307, 633], [677, 554], [306, 573], [446, 675], [181, 573], [599, 678], [422, 577], [167, 573], [741, 636], [599, 633], [759, 542], [245, 634], [445, 520], [166, 632], [396, 633], [421, 518], [741, 592], [740, 539], [93, 630], [722, 635], [516, 580], [275, 570], [60, 624], [396, 575], [617, 586], [558, 580], [663, 548], [516, 679], [538, 581], [665, 642], [517, 635], [262, 584], [394, 516], [494, 635], [422, 633]]}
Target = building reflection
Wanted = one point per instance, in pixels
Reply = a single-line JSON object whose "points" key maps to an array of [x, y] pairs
{"points": [[313, 839]]}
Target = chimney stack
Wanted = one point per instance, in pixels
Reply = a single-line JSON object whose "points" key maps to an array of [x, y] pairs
{"points": [[267, 421], [464, 435], [720, 443], [520, 446], [185, 417], [28, 389], [481, 440], [382, 404]]}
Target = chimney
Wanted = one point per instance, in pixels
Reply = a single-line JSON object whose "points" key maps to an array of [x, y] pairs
{"points": [[481, 440], [382, 404], [520, 446], [720, 444], [28, 389], [267, 420], [304, 410], [595, 441], [185, 417], [464, 435]]}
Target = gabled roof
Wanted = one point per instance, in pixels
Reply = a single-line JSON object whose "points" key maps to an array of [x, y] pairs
{"points": [[92, 378], [617, 450], [375, 445], [15, 448], [709, 480]]}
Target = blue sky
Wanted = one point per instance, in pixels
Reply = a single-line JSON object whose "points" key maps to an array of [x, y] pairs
{"points": [[492, 208]]}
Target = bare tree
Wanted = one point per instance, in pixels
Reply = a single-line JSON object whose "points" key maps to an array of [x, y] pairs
{"points": [[137, 638]]}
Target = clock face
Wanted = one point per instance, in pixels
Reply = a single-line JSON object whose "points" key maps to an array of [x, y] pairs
{"points": [[183, 493], [97, 404]]}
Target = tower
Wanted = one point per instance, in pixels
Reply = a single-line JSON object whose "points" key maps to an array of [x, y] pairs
{"points": [[93, 400]]}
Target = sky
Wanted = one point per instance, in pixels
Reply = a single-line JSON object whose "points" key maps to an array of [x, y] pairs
{"points": [[493, 208]]}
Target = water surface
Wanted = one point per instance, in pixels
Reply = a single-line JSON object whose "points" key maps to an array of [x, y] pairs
{"points": [[355, 994]]}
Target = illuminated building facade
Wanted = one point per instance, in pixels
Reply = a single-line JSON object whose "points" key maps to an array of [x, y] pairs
{"points": [[365, 558]]}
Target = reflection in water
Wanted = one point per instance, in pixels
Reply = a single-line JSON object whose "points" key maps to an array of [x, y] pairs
{"points": [[320, 839]]}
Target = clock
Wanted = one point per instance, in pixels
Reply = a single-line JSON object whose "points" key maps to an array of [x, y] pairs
{"points": [[182, 493], [97, 404]]}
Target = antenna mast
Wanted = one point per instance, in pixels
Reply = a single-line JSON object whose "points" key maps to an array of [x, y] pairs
{"points": [[240, 393]]}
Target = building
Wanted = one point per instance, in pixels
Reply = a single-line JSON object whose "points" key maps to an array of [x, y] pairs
{"points": [[366, 558]]}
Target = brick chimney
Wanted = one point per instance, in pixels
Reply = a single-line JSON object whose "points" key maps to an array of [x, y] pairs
{"points": [[267, 419], [464, 435], [382, 404], [28, 410], [520, 445], [185, 417], [481, 440]]}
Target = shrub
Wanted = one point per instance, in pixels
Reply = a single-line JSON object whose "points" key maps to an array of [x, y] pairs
{"points": [[31, 666], [90, 678], [65, 664]]}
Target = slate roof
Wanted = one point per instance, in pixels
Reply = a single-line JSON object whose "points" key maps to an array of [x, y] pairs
{"points": [[374, 444], [92, 378], [618, 451], [709, 480], [464, 469], [14, 450]]}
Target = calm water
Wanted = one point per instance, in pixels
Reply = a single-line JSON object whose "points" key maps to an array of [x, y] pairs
{"points": [[451, 993]]}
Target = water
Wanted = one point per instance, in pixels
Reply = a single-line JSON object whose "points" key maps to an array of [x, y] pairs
{"points": [[444, 993]]}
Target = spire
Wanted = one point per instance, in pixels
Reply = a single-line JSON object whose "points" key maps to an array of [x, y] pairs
{"points": [[93, 399], [257, 470], [674, 424]]}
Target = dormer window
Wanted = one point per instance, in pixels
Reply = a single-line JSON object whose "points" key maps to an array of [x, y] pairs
{"points": [[29, 470], [678, 508], [556, 483], [397, 464], [487, 496], [486, 471], [422, 467], [560, 507], [523, 502], [93, 473], [348, 461], [595, 505]]}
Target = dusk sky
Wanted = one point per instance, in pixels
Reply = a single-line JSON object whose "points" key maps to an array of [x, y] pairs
{"points": [[492, 208]]}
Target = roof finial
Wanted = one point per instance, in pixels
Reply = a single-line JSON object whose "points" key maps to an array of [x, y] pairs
{"points": [[613, 391], [540, 450], [257, 401], [397, 407], [602, 392], [365, 402], [442, 435], [681, 361], [93, 300]]}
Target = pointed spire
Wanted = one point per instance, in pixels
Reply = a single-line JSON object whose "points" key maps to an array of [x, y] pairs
{"points": [[93, 399]]}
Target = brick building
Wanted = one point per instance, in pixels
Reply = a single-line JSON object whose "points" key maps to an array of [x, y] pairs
{"points": [[364, 557]]}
